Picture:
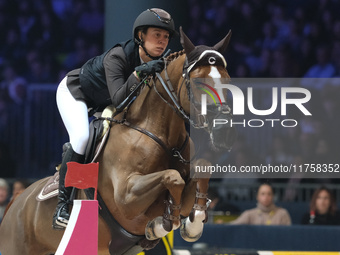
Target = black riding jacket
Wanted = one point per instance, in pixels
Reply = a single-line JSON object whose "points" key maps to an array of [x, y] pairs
{"points": [[108, 78]]}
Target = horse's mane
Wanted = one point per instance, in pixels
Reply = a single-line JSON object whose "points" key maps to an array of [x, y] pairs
{"points": [[174, 55]]}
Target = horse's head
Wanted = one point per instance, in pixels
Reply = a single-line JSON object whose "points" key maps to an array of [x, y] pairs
{"points": [[205, 68]]}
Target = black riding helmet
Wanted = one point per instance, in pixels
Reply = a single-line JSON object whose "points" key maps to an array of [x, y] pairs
{"points": [[153, 17]]}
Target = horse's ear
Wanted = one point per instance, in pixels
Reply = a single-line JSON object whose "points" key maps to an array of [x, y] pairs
{"points": [[223, 44], [186, 43]]}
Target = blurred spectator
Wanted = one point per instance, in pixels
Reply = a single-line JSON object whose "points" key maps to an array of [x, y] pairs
{"points": [[70, 22], [18, 187], [49, 35], [265, 25], [269, 40], [322, 209], [49, 27], [41, 67], [4, 192], [25, 21], [266, 212], [37, 36], [12, 50], [323, 69], [79, 55]]}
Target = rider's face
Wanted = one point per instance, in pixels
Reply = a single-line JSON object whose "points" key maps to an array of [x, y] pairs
{"points": [[155, 41]]}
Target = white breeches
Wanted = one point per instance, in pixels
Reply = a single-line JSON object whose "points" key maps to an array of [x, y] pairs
{"points": [[74, 114]]}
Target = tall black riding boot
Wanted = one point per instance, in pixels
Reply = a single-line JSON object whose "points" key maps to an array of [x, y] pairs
{"points": [[61, 215]]}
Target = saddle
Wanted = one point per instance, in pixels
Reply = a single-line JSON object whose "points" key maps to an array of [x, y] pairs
{"points": [[99, 130], [50, 189]]}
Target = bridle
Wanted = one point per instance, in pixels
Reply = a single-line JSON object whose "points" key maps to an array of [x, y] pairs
{"points": [[201, 121], [175, 105]]}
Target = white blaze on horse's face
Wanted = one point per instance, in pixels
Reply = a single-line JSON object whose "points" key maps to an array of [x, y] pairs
{"points": [[214, 73], [216, 76]]}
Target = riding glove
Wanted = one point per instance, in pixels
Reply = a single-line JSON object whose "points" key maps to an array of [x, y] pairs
{"points": [[150, 68]]}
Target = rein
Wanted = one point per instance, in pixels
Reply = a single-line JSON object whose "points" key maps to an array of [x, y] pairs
{"points": [[173, 152], [174, 98], [170, 91]]}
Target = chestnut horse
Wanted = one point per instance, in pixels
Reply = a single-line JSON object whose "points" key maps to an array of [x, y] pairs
{"points": [[144, 171]]}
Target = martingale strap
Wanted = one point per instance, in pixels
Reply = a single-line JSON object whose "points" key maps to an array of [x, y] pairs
{"points": [[151, 135], [174, 152]]}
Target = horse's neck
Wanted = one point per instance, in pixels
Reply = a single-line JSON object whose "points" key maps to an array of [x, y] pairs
{"points": [[150, 111]]}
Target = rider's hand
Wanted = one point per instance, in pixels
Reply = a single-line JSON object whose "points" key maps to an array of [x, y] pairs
{"points": [[150, 68]]}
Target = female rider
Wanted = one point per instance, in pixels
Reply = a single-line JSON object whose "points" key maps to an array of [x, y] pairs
{"points": [[107, 80]]}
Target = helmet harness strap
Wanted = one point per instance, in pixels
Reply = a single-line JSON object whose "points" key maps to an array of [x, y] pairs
{"points": [[141, 43]]}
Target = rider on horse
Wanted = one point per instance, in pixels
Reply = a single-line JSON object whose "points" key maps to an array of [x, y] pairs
{"points": [[107, 80]]}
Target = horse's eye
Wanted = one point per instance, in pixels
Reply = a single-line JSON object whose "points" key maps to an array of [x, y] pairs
{"points": [[212, 60]]}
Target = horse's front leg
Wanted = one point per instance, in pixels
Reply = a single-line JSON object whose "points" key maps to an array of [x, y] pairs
{"points": [[192, 226], [162, 225], [143, 190]]}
